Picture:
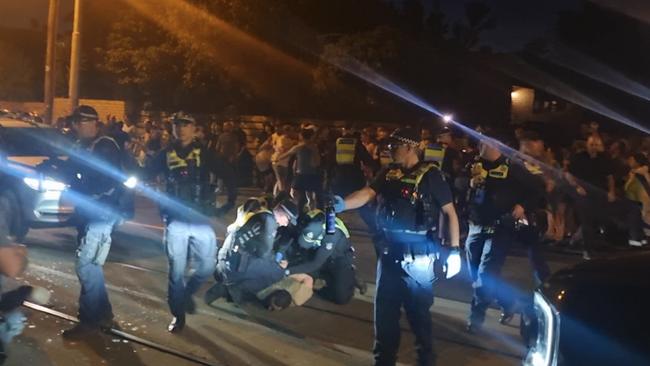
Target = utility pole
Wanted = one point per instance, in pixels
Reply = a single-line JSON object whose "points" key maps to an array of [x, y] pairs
{"points": [[50, 60], [75, 57]]}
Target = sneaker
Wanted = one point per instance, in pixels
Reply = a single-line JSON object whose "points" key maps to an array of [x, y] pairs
{"points": [[177, 324], [586, 255], [637, 243], [80, 332]]}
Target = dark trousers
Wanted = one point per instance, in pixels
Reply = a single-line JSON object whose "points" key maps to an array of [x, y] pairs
{"points": [[486, 254], [340, 278], [396, 288]]}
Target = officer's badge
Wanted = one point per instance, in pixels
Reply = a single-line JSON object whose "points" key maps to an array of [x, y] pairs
{"points": [[329, 246], [500, 172], [310, 236]]}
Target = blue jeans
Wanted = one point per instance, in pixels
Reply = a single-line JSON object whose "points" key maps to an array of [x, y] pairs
{"points": [[414, 291], [201, 242], [94, 244], [486, 254]]}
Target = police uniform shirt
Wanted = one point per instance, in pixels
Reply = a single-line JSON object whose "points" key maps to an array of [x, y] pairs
{"points": [[432, 185], [195, 153], [509, 185], [257, 235], [332, 246], [92, 181]]}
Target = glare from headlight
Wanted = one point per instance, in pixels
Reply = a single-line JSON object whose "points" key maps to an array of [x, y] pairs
{"points": [[45, 184], [131, 183], [544, 352]]}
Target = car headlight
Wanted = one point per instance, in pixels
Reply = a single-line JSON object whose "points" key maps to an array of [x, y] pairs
{"points": [[544, 351], [44, 184]]}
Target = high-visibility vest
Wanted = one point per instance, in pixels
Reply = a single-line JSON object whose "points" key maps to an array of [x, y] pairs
{"points": [[434, 153], [345, 150]]}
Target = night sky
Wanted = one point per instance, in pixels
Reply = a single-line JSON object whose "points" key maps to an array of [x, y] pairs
{"points": [[518, 21]]}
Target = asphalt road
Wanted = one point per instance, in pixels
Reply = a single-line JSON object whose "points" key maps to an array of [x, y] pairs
{"points": [[319, 333]]}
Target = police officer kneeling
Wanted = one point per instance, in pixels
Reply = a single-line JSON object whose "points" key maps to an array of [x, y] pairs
{"points": [[411, 196], [326, 256], [246, 261]]}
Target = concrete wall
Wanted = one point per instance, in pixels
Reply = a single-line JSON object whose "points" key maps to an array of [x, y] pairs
{"points": [[62, 107]]}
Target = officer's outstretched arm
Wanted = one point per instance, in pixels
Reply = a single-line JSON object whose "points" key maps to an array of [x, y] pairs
{"points": [[359, 198], [454, 227]]}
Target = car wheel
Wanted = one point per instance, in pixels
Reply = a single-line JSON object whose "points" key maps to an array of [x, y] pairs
{"points": [[18, 228]]}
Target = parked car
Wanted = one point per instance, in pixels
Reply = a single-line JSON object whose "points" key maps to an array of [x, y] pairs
{"points": [[32, 177], [596, 313]]}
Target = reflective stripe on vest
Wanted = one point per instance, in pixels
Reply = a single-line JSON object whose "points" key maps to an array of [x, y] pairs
{"points": [[345, 149], [92, 146], [435, 154], [416, 177], [175, 162], [534, 169], [500, 172]]}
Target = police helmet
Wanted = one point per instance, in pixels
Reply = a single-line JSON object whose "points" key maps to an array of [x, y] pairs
{"points": [[313, 229], [85, 113]]}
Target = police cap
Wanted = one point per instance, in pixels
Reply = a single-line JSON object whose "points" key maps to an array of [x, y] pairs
{"points": [[313, 229], [182, 118], [407, 135], [85, 113]]}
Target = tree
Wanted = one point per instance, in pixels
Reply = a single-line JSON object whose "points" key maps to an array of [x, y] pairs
{"points": [[478, 19], [17, 78]]}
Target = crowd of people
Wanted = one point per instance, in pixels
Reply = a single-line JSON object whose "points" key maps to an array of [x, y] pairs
{"points": [[417, 188], [301, 160]]}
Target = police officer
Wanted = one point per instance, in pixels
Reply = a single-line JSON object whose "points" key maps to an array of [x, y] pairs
{"points": [[411, 195], [246, 261], [347, 174], [286, 215], [96, 198], [186, 166], [501, 194], [325, 256]]}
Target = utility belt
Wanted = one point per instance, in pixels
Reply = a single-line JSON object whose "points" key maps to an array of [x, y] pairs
{"points": [[401, 244], [534, 224]]}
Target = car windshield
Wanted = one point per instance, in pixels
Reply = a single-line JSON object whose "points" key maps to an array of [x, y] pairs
{"points": [[31, 141]]}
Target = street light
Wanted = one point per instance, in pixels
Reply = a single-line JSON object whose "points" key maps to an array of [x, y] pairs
{"points": [[75, 57], [447, 118]]}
